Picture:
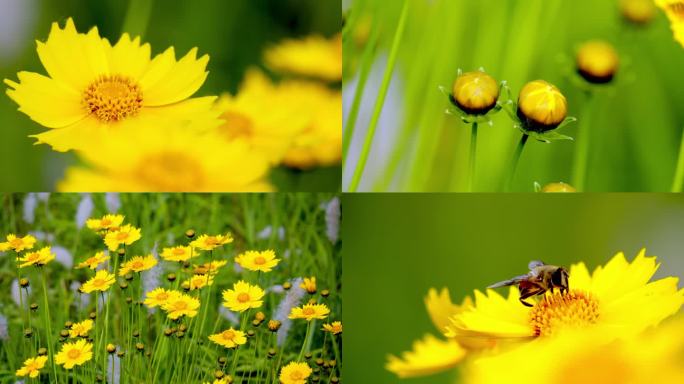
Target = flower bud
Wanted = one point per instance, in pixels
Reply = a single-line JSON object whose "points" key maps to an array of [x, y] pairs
{"points": [[42, 351], [273, 325], [23, 282], [597, 62], [287, 285], [637, 11], [190, 233], [111, 348], [475, 92], [139, 346], [558, 187], [541, 106], [33, 306]]}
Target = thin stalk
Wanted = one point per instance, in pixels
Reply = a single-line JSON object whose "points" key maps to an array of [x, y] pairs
{"points": [[471, 162], [679, 171], [137, 17], [384, 87], [336, 350], [48, 325], [579, 167], [515, 160], [306, 340]]}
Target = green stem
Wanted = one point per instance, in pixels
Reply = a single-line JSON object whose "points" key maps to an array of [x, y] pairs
{"points": [[579, 168], [48, 323], [384, 87], [515, 160], [306, 341], [137, 17], [338, 361], [679, 171], [473, 146]]}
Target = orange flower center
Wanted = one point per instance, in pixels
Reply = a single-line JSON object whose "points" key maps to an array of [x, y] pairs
{"points": [[170, 171], [33, 257], [574, 309], [179, 251], [137, 264], [259, 260], [105, 222], [211, 240], [237, 125], [122, 236], [74, 353], [228, 335], [180, 305], [296, 375], [98, 282], [113, 98], [308, 311], [243, 297], [16, 243], [162, 296]]}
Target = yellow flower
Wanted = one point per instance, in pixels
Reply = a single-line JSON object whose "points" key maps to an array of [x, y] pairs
{"points": [[270, 134], [541, 106], [674, 9], [597, 61], [32, 367], [475, 92], [429, 355], [243, 296], [39, 258], [309, 284], [208, 242], [313, 56], [177, 253], [184, 160], [159, 297], [17, 244], [310, 312], [81, 329], [229, 338], [263, 261], [181, 305], [199, 281], [107, 222], [96, 89], [100, 282], [124, 235], [295, 373], [93, 261], [558, 188], [75, 353], [209, 268], [138, 264], [335, 328]]}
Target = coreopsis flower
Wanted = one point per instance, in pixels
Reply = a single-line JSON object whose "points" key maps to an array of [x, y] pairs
{"points": [[126, 235], [17, 244], [159, 297], [597, 61], [295, 373], [100, 282], [335, 327], [177, 253], [106, 223], [310, 312], [32, 367], [230, 338], [313, 56], [93, 261], [541, 106], [475, 93], [38, 258], [429, 355], [309, 284], [263, 261], [243, 296], [209, 268], [138, 264], [141, 161], [674, 9], [95, 89], [76, 353], [81, 329], [199, 281], [210, 242], [181, 305]]}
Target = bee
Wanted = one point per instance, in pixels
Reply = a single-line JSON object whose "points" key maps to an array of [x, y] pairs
{"points": [[541, 278]]}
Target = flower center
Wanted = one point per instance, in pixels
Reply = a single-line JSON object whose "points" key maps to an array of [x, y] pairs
{"points": [[170, 171], [33, 257], [105, 222], [243, 297], [162, 296], [211, 240], [296, 375], [237, 125], [573, 309], [122, 235], [137, 264], [178, 251], [74, 354], [113, 98], [98, 282], [180, 305], [228, 335], [16, 243], [309, 311], [678, 9], [259, 260]]}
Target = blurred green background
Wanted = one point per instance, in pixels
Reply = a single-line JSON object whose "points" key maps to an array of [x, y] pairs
{"points": [[233, 32], [398, 246], [635, 132]]}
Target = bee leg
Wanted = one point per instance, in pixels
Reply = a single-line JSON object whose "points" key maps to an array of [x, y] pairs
{"points": [[525, 303], [527, 292]]}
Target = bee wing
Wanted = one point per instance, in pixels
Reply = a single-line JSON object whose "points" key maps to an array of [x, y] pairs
{"points": [[534, 264], [512, 281]]}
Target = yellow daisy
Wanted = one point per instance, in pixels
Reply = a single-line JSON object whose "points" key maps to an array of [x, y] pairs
{"points": [[313, 56], [429, 355], [199, 281], [229, 338], [93, 261], [32, 367], [263, 261], [209, 242], [106, 223], [310, 312], [243, 296], [183, 161], [95, 89], [209, 268], [177, 253], [124, 235], [309, 284], [181, 305], [81, 329], [159, 296], [295, 373], [75, 353], [39, 258], [335, 327], [674, 9], [138, 264], [17, 244], [100, 282]]}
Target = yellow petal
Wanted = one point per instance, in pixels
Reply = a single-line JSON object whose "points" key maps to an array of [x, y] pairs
{"points": [[82, 134], [167, 81], [440, 308], [429, 355], [128, 58]]}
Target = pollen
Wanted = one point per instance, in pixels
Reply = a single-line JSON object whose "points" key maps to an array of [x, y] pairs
{"points": [[113, 98], [574, 309], [237, 125], [677, 9]]}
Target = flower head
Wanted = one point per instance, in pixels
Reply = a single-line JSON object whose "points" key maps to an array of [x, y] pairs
{"points": [[295, 373], [637, 11], [106, 223], [17, 244], [674, 9], [93, 261], [310, 312], [263, 261], [210, 242], [177, 253], [335, 327], [597, 61], [243, 296], [100, 282], [309, 284], [159, 297], [76, 353], [32, 367], [81, 329], [209, 268], [127, 235], [138, 264], [199, 281], [230, 338], [181, 305], [475, 93], [541, 106], [558, 187], [39, 258], [313, 56]]}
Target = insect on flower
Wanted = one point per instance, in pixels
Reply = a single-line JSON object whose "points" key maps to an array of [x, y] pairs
{"points": [[541, 278]]}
